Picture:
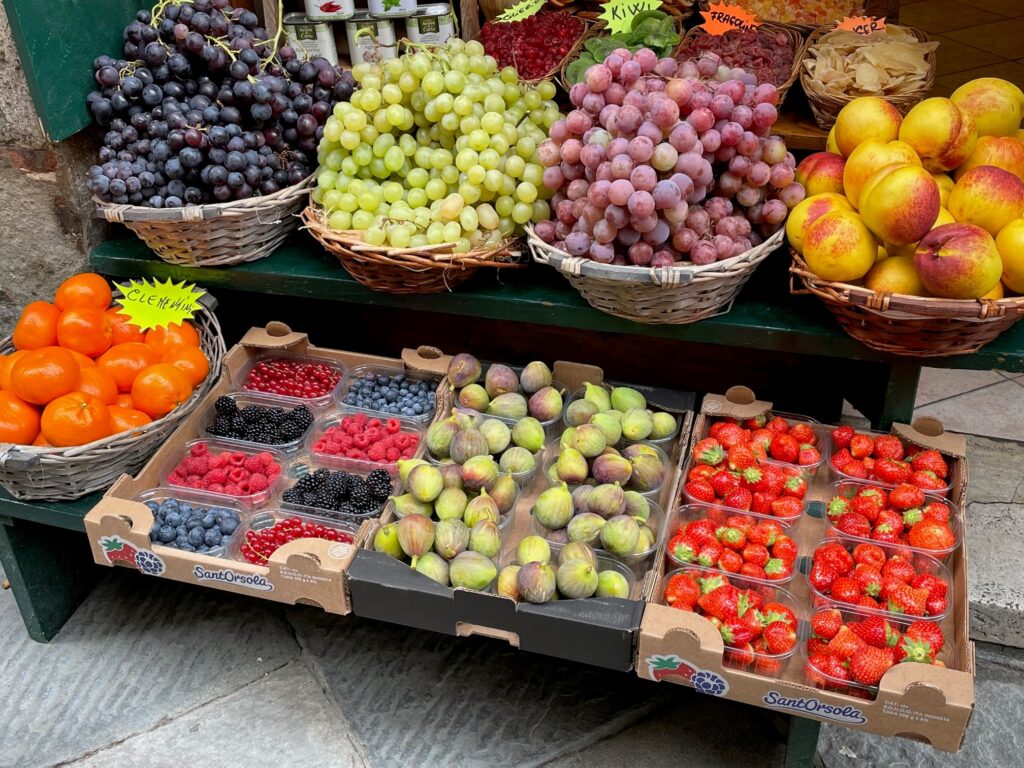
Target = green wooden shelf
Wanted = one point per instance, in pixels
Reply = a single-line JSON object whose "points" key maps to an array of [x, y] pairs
{"points": [[60, 514], [764, 317]]}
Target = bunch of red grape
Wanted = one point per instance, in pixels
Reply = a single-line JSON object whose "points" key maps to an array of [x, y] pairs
{"points": [[651, 168], [200, 111]]}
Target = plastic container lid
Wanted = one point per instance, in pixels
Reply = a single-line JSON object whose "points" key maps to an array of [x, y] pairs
{"points": [[267, 518], [552, 458], [219, 446], [321, 402], [346, 399], [307, 464], [195, 500], [243, 399]]}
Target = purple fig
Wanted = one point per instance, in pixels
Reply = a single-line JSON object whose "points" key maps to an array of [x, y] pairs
{"points": [[589, 440], [450, 538], [463, 370], [585, 528], [485, 539], [536, 582], [535, 377], [580, 412], [415, 536], [607, 501], [504, 492], [479, 472], [545, 404], [507, 586], [440, 435], [577, 550], [467, 444], [648, 473], [425, 483], [608, 468], [500, 379], [533, 549], [480, 508]]}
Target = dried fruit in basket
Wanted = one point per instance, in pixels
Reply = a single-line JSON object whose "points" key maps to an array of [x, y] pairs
{"points": [[534, 46], [810, 12], [767, 53]]}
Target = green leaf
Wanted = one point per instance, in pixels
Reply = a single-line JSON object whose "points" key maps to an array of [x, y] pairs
{"points": [[576, 69]]}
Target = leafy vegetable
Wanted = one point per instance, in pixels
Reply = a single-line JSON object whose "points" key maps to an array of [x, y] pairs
{"points": [[650, 29]]}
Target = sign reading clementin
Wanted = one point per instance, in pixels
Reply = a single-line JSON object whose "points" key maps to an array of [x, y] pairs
{"points": [[152, 304]]}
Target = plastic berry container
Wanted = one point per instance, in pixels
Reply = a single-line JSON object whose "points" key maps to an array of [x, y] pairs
{"points": [[346, 395], [922, 564], [847, 489], [238, 458], [345, 530], [764, 664], [320, 402], [792, 469], [551, 459], [909, 449], [607, 386], [243, 399], [189, 500], [331, 423], [307, 464], [550, 425], [690, 513], [504, 521], [604, 563], [823, 441]]}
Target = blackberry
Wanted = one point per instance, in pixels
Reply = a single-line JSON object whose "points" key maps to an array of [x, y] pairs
{"points": [[325, 499], [222, 426], [378, 483], [359, 497], [339, 484], [252, 414], [307, 483], [292, 495], [225, 406]]}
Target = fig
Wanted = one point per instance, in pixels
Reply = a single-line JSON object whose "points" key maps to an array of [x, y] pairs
{"points": [[639, 449], [598, 395], [580, 412], [405, 466], [386, 541], [664, 426], [626, 398], [471, 570], [450, 538], [619, 535], [585, 528], [580, 497], [474, 397], [646, 540], [553, 508], [648, 473], [617, 415], [517, 460], [507, 586], [637, 505], [415, 536], [559, 537], [577, 550], [607, 500], [452, 474], [510, 405], [479, 472], [433, 567], [536, 582], [571, 467], [535, 377], [425, 483], [609, 468], [500, 380], [440, 435], [552, 473], [451, 504], [589, 440], [407, 504], [463, 370], [467, 444], [528, 433], [608, 424], [545, 404], [576, 579], [612, 584], [497, 434], [485, 538], [533, 549], [466, 418], [637, 424], [480, 508], [504, 492]]}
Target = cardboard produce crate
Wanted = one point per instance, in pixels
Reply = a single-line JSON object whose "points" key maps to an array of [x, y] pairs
{"points": [[917, 701]]}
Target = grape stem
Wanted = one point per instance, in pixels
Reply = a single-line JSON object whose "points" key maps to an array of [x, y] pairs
{"points": [[157, 11], [276, 39]]}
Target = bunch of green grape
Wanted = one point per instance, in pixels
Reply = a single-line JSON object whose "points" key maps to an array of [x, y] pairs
{"points": [[437, 146]]}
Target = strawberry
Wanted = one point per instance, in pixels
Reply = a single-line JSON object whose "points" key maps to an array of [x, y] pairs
{"points": [[730, 561], [930, 461], [761, 503], [785, 448], [861, 446], [868, 665], [741, 498], [808, 455], [720, 603], [845, 643], [771, 480], [756, 553], [779, 637], [779, 612], [887, 533], [764, 666], [762, 438], [803, 433], [854, 524], [776, 569], [740, 457], [869, 579], [733, 538], [888, 447], [842, 435], [936, 606], [785, 549], [825, 624], [682, 590], [700, 490], [869, 554], [876, 632], [906, 496], [753, 571], [890, 517], [795, 486], [936, 510], [724, 482], [700, 472], [915, 650], [787, 508], [743, 522], [929, 632], [936, 587], [757, 422], [841, 458], [711, 583], [903, 598], [845, 589], [821, 576], [931, 535], [834, 667], [778, 425], [708, 451], [703, 530], [912, 517], [764, 534], [899, 568], [709, 554], [855, 468], [872, 495], [927, 481], [683, 549], [892, 471], [836, 507], [729, 434], [816, 645], [835, 556], [867, 601], [739, 658]]}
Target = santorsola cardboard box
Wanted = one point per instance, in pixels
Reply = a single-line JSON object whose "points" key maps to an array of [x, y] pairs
{"points": [[307, 570], [597, 631], [919, 701]]}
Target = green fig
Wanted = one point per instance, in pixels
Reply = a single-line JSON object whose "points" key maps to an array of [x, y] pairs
{"points": [[510, 405], [415, 536], [612, 584], [580, 412], [406, 505], [580, 497], [451, 504], [535, 377], [577, 550], [386, 541], [485, 538], [450, 538], [553, 508], [647, 540], [467, 444], [500, 380], [463, 370], [452, 474], [607, 500], [598, 395], [565, 441], [433, 567], [533, 549], [617, 415], [589, 440], [479, 472], [466, 418], [536, 582], [625, 398], [516, 461], [405, 466], [528, 433], [609, 468], [507, 586], [576, 579], [640, 449], [474, 397], [637, 424], [637, 505], [497, 434], [440, 435], [552, 473], [504, 492], [571, 467], [545, 404], [480, 508], [471, 570], [648, 473], [664, 426], [609, 425], [585, 528], [619, 535], [425, 483]]}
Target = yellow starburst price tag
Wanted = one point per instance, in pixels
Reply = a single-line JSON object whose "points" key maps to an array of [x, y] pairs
{"points": [[521, 10], [152, 304], [620, 13]]}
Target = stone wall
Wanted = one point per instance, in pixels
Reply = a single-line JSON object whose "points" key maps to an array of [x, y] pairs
{"points": [[45, 215]]}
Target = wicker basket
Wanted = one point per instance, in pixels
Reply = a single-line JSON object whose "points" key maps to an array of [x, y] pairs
{"points": [[215, 235], [909, 325], [554, 72], [794, 33], [826, 106], [805, 29], [426, 269], [672, 295], [58, 474]]}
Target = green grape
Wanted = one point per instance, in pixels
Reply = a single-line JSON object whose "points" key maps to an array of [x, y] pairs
{"points": [[468, 219], [493, 179], [456, 45], [462, 245], [532, 99], [476, 174], [450, 174], [499, 143], [546, 89], [383, 143], [398, 236], [474, 48], [369, 134], [392, 191], [492, 122], [526, 147], [465, 159], [436, 189], [408, 82], [418, 100], [451, 206], [506, 226], [541, 211], [340, 220], [393, 68], [419, 65], [534, 174], [348, 202], [508, 186], [503, 205], [526, 193], [479, 139], [450, 122], [511, 93], [330, 198], [354, 120], [362, 155], [418, 240], [318, 196], [391, 93], [349, 140], [494, 102], [326, 179], [417, 198], [417, 178], [432, 83], [445, 102], [333, 129], [369, 200], [362, 219], [394, 159], [374, 235], [380, 121], [369, 99], [462, 106], [357, 187], [509, 75], [340, 109], [378, 168], [452, 232], [395, 115], [489, 159], [341, 182], [408, 144], [487, 216], [372, 82], [435, 233], [469, 192], [521, 213], [468, 124], [440, 158], [431, 112]]}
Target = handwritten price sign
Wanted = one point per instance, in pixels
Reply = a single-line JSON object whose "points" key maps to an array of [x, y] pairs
{"points": [[521, 10], [862, 25], [155, 304], [720, 18], [620, 13]]}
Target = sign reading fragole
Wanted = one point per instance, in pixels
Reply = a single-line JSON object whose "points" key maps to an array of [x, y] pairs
{"points": [[862, 25], [720, 18], [152, 304], [521, 10], [620, 13]]}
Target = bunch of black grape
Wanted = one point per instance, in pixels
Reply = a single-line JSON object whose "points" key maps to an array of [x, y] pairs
{"points": [[200, 111]]}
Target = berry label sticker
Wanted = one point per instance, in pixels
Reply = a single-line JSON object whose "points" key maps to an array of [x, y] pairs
{"points": [[521, 10], [809, 705], [117, 550], [862, 25], [152, 304], [620, 13], [227, 576], [720, 18], [673, 668]]}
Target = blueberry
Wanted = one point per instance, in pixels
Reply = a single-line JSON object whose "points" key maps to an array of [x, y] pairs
{"points": [[195, 521], [212, 537], [169, 505], [154, 508], [203, 548], [228, 526], [209, 520], [182, 530], [173, 519], [186, 508], [181, 542], [154, 532], [195, 536], [417, 409], [166, 534], [187, 548]]}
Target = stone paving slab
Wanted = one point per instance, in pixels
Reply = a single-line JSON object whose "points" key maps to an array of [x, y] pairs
{"points": [[996, 470], [282, 720], [996, 573]]}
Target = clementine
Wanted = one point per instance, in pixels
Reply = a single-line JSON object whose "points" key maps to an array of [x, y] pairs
{"points": [[159, 389], [5, 367], [75, 419], [85, 290], [191, 360], [19, 421], [162, 339], [98, 383], [37, 326], [40, 441], [86, 330], [82, 360], [125, 361], [123, 419], [123, 330], [43, 374], [124, 400]]}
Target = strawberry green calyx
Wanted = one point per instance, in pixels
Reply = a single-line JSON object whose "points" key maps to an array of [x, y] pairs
{"points": [[775, 566], [912, 516], [710, 584], [918, 651]]}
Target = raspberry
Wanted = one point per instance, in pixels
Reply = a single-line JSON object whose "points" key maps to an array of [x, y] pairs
{"points": [[215, 488], [393, 454], [258, 482], [372, 434], [232, 490], [353, 453], [345, 441], [373, 424], [273, 470], [237, 475], [216, 462], [218, 475], [377, 452], [236, 459], [194, 481], [393, 426], [199, 449], [244, 488], [360, 441], [407, 453], [253, 464], [200, 465]]}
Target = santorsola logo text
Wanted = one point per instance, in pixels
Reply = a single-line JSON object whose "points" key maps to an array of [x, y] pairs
{"points": [[250, 580], [813, 706]]}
